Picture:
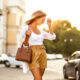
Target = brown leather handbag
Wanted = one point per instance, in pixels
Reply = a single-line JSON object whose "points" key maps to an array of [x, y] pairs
{"points": [[24, 54]]}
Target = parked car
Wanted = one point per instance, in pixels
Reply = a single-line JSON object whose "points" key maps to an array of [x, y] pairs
{"points": [[51, 56], [59, 56], [10, 60], [72, 67], [1, 59]]}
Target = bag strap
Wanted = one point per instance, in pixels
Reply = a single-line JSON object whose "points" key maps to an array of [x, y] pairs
{"points": [[26, 40]]}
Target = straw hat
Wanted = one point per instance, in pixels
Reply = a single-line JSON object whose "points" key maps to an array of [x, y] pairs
{"points": [[35, 15]]}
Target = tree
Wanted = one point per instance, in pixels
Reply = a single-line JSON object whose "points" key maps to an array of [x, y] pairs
{"points": [[67, 38], [61, 25], [50, 47], [69, 41]]}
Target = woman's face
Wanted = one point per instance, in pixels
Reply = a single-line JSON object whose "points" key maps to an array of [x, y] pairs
{"points": [[41, 20]]}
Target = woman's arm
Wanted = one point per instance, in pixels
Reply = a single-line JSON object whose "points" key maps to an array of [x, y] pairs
{"points": [[23, 32], [51, 35], [28, 32], [49, 25]]}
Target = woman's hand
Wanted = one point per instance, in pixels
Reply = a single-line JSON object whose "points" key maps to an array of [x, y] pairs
{"points": [[28, 32], [49, 22], [49, 25]]}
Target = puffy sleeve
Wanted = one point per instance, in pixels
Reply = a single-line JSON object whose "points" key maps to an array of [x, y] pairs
{"points": [[22, 33], [49, 36]]}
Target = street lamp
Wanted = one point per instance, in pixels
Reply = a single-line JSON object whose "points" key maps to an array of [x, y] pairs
{"points": [[67, 44], [68, 40], [65, 40]]}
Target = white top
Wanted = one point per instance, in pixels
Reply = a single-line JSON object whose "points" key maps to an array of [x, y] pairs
{"points": [[36, 39]]}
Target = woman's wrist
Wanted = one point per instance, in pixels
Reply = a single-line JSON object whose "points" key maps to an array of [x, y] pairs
{"points": [[50, 30]]}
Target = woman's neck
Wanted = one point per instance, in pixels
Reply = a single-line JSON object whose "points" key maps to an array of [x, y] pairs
{"points": [[33, 26]]}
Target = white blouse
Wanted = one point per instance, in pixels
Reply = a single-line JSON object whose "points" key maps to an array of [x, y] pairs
{"points": [[36, 39]]}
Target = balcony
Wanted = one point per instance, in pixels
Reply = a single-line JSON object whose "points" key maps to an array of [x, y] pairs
{"points": [[17, 3]]}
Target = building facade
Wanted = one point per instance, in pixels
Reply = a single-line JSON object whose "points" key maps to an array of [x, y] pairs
{"points": [[11, 20]]}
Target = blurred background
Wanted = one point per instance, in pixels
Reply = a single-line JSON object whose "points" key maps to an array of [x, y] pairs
{"points": [[65, 17], [11, 20]]}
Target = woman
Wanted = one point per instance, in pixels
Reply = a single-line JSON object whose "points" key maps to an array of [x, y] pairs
{"points": [[36, 37]]}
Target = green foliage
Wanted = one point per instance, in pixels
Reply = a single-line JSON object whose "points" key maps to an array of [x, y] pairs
{"points": [[71, 41], [61, 25], [50, 48], [67, 39]]}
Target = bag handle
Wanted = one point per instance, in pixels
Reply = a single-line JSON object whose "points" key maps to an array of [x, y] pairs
{"points": [[26, 38]]}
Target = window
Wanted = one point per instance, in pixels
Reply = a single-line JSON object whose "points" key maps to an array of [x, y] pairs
{"points": [[72, 57], [76, 56], [21, 20]]}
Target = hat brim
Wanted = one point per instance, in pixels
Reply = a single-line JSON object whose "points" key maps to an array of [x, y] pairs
{"points": [[33, 18]]}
